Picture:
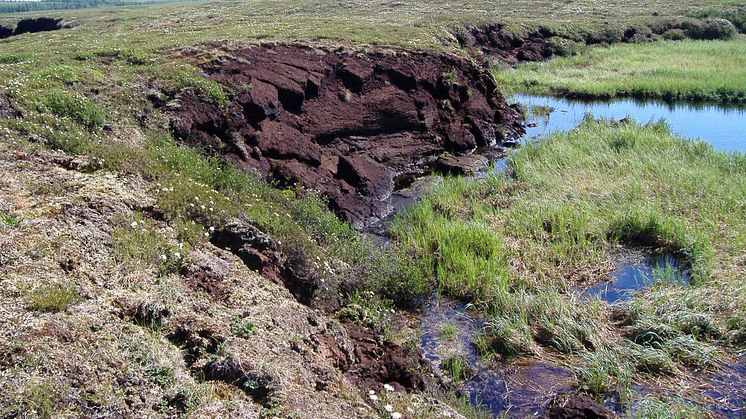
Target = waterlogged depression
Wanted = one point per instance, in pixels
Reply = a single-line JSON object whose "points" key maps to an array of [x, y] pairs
{"points": [[525, 387], [521, 389], [636, 270]]}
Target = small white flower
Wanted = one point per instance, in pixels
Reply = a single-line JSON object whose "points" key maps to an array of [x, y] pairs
{"points": [[191, 205], [371, 392], [373, 397], [389, 408], [396, 415], [388, 387], [196, 198], [207, 234], [177, 255], [134, 224], [211, 229], [202, 206], [164, 258]]}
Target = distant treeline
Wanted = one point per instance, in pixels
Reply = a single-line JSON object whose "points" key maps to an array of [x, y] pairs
{"points": [[35, 6]]}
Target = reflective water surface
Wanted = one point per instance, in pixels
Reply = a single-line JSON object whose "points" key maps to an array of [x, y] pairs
{"points": [[723, 127]]}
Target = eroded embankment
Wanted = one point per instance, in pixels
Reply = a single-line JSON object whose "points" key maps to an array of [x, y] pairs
{"points": [[341, 122], [509, 45], [32, 25]]}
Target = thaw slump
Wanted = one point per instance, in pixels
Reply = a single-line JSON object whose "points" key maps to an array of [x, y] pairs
{"points": [[344, 123]]}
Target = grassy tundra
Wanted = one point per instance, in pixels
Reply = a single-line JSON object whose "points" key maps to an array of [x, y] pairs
{"points": [[515, 247], [713, 71]]}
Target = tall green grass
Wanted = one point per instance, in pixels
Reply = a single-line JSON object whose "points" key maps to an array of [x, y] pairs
{"points": [[517, 247], [675, 70]]}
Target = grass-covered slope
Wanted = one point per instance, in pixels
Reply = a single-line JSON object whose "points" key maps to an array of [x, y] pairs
{"points": [[677, 70], [516, 246]]}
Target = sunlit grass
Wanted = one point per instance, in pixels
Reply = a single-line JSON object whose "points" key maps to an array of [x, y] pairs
{"points": [[680, 70], [523, 241]]}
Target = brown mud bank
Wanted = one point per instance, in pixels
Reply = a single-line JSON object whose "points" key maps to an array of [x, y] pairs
{"points": [[347, 124], [33, 25]]}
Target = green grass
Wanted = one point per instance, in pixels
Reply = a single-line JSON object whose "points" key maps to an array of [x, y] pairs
{"points": [[10, 220], [52, 297], [681, 70], [457, 368], [449, 331], [523, 242], [243, 328], [43, 397]]}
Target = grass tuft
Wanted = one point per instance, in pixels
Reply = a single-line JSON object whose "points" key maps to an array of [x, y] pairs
{"points": [[52, 297]]}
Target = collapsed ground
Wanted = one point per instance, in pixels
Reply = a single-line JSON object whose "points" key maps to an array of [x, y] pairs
{"points": [[290, 238]]}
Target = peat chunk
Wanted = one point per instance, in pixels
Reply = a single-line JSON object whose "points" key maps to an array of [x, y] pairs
{"points": [[5, 32], [39, 24], [459, 138], [257, 250], [343, 122], [277, 140], [380, 361], [577, 407], [354, 73], [369, 177], [261, 102], [460, 165]]}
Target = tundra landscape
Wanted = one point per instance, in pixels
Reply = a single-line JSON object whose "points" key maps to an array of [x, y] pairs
{"points": [[373, 209]]}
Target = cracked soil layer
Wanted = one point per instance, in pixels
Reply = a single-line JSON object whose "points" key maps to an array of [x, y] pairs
{"points": [[341, 122]]}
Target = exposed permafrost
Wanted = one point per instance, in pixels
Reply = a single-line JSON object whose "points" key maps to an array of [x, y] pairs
{"points": [[344, 123]]}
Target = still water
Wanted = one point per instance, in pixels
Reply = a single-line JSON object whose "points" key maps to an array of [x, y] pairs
{"points": [[723, 127]]}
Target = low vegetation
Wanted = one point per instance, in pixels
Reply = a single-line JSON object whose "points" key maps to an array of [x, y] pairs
{"points": [[52, 297], [518, 246], [680, 70]]}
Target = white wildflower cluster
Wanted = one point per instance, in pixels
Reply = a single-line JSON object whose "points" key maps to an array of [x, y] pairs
{"points": [[388, 407]]}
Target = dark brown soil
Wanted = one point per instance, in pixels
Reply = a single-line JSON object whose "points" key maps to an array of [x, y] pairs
{"points": [[577, 407], [7, 110], [344, 123], [493, 41], [371, 361], [31, 25]]}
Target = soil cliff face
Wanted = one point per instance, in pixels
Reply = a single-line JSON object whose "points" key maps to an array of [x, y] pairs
{"points": [[343, 123]]}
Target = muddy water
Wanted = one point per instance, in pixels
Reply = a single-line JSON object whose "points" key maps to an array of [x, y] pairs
{"points": [[520, 389], [636, 270], [723, 127]]}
